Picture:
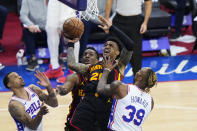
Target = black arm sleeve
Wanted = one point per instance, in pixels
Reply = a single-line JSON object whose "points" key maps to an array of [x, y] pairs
{"points": [[127, 42]]}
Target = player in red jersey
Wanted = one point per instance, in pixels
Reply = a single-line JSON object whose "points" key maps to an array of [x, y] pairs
{"points": [[96, 108], [76, 83]]}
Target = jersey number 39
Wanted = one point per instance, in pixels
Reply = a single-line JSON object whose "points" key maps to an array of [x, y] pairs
{"points": [[139, 114]]}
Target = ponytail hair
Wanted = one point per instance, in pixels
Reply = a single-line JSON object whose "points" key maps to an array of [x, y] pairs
{"points": [[151, 80]]}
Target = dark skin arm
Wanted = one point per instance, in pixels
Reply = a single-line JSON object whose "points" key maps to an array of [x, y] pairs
{"points": [[116, 88], [78, 67], [124, 59], [71, 81], [50, 98], [102, 87], [17, 111]]}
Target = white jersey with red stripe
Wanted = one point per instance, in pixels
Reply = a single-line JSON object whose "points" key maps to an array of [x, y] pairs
{"points": [[32, 107], [128, 113]]}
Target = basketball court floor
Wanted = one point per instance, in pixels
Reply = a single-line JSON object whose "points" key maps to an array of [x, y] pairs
{"points": [[175, 96]]}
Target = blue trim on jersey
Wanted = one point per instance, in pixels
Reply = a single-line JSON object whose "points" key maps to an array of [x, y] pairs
{"points": [[111, 117], [19, 125]]}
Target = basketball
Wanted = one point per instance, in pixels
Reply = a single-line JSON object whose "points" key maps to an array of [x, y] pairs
{"points": [[73, 28]]}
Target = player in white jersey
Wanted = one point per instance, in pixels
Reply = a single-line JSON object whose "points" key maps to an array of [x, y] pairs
{"points": [[132, 103], [26, 105]]}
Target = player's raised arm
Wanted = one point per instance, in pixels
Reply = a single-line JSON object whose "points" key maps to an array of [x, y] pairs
{"points": [[102, 87], [18, 112], [71, 81], [78, 67], [126, 42], [50, 98]]}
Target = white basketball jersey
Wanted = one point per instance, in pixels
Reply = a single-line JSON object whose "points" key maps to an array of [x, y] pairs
{"points": [[128, 113], [32, 107]]}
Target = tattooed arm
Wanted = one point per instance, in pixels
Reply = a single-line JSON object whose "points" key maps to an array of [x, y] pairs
{"points": [[71, 81], [102, 87], [127, 50], [18, 112], [50, 98], [116, 88], [124, 59], [78, 67]]}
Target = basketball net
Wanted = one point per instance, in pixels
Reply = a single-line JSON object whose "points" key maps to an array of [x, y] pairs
{"points": [[91, 13]]}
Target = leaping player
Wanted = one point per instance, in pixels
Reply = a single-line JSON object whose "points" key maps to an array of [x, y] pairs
{"points": [[26, 105]]}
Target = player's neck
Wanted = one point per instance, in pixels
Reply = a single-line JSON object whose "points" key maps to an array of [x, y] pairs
{"points": [[139, 85], [21, 93]]}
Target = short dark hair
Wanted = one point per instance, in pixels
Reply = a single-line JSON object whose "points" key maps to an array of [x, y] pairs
{"points": [[6, 80], [92, 48], [115, 39]]}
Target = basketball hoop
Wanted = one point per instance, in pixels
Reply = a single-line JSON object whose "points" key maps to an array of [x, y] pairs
{"points": [[91, 13], [88, 9]]}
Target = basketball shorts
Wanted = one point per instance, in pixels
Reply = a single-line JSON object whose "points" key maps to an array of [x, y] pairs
{"points": [[89, 111]]}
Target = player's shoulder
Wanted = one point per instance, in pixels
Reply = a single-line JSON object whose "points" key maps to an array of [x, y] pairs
{"points": [[131, 86], [13, 104], [32, 87]]}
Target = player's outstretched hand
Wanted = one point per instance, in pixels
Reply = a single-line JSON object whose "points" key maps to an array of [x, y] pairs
{"points": [[43, 109], [105, 24], [109, 63], [60, 90], [43, 79]]}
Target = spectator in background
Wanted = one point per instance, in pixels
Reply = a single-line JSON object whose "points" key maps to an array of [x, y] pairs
{"points": [[179, 14], [33, 17], [128, 19], [19, 3], [3, 16], [194, 25], [92, 25], [57, 13], [34, 24]]}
